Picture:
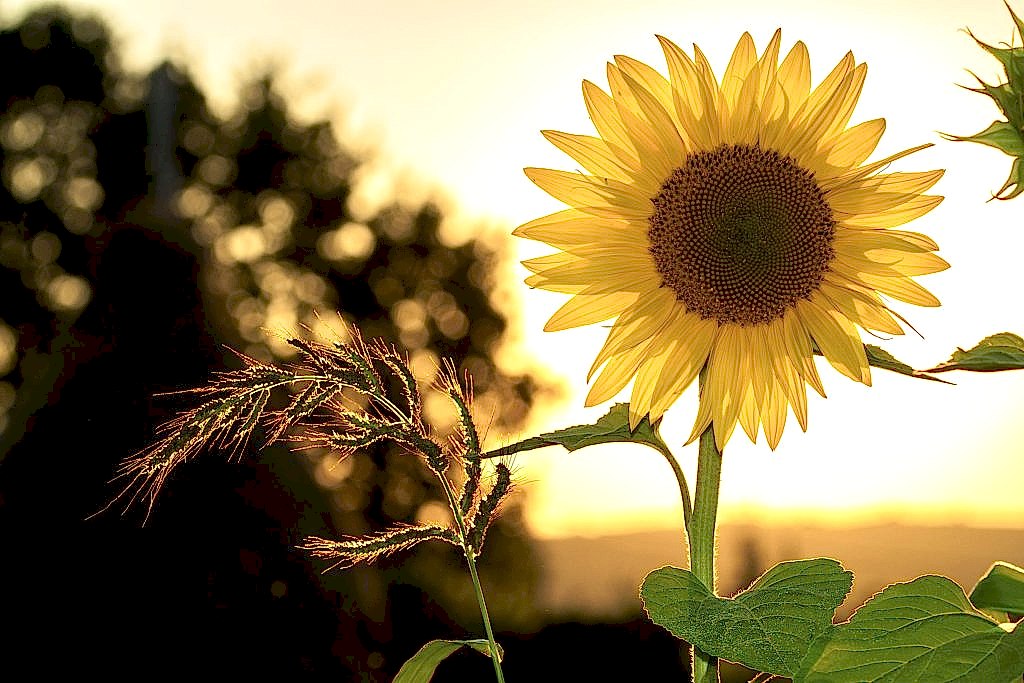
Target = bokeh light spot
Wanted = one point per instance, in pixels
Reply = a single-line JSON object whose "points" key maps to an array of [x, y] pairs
{"points": [[244, 244], [23, 132], [84, 193], [68, 293], [8, 349], [352, 241], [45, 247], [194, 201], [29, 177]]}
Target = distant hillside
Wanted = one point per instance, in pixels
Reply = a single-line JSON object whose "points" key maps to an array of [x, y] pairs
{"points": [[599, 577]]}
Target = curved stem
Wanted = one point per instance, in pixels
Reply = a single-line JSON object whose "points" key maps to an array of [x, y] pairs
{"points": [[471, 562], [702, 537], [684, 490]]}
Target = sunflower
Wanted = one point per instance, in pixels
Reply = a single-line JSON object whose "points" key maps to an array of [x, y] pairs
{"points": [[731, 226]]}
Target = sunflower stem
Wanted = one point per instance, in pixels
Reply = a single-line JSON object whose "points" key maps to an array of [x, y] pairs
{"points": [[702, 537]]}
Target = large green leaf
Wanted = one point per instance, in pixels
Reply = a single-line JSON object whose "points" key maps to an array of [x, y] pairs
{"points": [[421, 666], [924, 630], [612, 427], [767, 627], [1001, 589], [1002, 351]]}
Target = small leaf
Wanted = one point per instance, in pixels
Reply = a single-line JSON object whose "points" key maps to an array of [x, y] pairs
{"points": [[612, 427], [1002, 351], [880, 358], [924, 630], [767, 627], [421, 666], [1001, 589]]}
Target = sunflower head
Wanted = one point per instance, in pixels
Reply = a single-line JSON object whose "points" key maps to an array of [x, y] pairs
{"points": [[732, 226]]}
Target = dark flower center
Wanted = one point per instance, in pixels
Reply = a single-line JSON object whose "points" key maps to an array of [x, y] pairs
{"points": [[741, 234]]}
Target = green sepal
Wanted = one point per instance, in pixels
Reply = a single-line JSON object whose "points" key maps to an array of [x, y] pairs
{"points": [[1001, 134], [766, 627], [1008, 135], [421, 666]]}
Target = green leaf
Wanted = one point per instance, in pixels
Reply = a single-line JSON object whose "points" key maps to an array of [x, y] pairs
{"points": [[421, 666], [1001, 589], [924, 630], [767, 627], [880, 358], [612, 427], [1003, 351]]}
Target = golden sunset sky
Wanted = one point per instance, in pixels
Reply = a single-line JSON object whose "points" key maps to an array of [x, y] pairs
{"points": [[450, 95]]}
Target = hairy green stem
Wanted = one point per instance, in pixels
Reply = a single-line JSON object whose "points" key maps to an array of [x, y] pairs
{"points": [[684, 490], [470, 554], [495, 653], [702, 537]]}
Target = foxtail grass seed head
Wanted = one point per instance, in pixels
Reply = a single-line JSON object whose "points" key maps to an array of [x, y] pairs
{"points": [[324, 383], [488, 507], [351, 551]]}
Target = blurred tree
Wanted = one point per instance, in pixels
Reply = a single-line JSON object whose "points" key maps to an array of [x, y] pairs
{"points": [[139, 234]]}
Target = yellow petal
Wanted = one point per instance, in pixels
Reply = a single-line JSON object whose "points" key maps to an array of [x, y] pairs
{"points": [[587, 309], [837, 339], [903, 213], [795, 76], [542, 263], [910, 183], [868, 239], [785, 368], [696, 339], [798, 346], [728, 380], [853, 146], [750, 416], [606, 120], [901, 288], [773, 414], [744, 56], [667, 147], [594, 154], [861, 309], [651, 80], [852, 203], [616, 374], [705, 414], [829, 102], [860, 172], [642, 321], [744, 125], [693, 98], [625, 272], [601, 197], [768, 65]]}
